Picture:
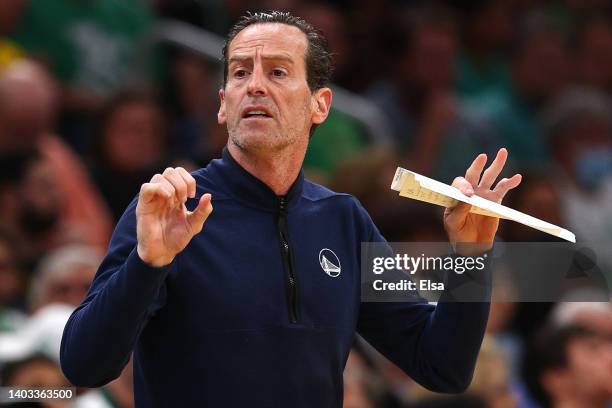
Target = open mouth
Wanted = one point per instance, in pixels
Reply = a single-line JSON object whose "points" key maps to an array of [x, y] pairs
{"points": [[256, 114]]}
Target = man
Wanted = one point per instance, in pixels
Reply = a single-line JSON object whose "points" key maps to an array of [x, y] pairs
{"points": [[242, 314], [569, 366], [46, 196], [431, 129]]}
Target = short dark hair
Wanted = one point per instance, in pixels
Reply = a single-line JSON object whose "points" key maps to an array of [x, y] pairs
{"points": [[319, 66], [10, 369], [548, 351], [117, 102]]}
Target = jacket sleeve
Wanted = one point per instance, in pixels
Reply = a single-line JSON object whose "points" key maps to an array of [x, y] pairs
{"points": [[101, 332], [435, 345]]}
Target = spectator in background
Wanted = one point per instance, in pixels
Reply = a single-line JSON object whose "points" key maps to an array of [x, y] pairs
{"points": [[60, 282], [10, 14], [330, 20], [579, 138], [40, 371], [540, 69], [490, 386], [376, 30], [94, 48], [540, 197], [492, 377], [64, 276], [40, 203], [482, 70], [196, 134], [594, 54], [36, 371], [595, 316], [91, 46], [570, 367], [340, 137], [47, 197], [366, 175], [130, 146], [432, 129]]}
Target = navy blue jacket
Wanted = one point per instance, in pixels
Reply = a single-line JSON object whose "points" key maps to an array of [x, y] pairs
{"points": [[246, 316]]}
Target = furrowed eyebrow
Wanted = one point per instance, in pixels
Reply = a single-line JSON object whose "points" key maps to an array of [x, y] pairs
{"points": [[272, 57]]}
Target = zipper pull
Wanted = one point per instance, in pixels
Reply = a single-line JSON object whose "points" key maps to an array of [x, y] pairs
{"points": [[282, 204]]}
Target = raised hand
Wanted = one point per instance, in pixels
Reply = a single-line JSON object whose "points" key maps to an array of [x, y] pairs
{"points": [[164, 226], [465, 227]]}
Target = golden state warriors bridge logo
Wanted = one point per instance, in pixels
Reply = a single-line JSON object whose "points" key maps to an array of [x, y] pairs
{"points": [[329, 262]]}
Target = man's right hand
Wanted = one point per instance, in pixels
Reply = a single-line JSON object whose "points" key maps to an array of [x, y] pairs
{"points": [[164, 226]]}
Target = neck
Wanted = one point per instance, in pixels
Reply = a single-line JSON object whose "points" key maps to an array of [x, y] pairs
{"points": [[277, 169]]}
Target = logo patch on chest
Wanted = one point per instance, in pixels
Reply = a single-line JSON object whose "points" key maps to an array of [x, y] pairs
{"points": [[329, 262]]}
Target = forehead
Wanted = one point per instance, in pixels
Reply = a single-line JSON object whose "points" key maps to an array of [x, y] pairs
{"points": [[272, 38]]}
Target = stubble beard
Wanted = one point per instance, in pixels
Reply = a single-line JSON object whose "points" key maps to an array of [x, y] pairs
{"points": [[246, 142], [273, 141]]}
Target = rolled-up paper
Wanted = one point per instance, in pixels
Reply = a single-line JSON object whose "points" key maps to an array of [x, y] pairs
{"points": [[418, 187]]}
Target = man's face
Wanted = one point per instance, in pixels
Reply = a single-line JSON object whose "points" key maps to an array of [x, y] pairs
{"points": [[542, 67], [432, 61], [590, 367], [72, 287], [595, 58], [266, 102]]}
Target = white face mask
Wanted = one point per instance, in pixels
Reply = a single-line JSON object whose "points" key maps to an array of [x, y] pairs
{"points": [[592, 166]]}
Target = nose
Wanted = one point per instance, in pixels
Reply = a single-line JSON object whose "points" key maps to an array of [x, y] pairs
{"points": [[257, 79]]}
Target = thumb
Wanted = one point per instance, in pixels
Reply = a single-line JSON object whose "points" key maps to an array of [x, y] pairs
{"points": [[455, 217], [197, 217]]}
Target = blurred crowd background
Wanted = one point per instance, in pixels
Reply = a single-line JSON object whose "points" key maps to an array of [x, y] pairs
{"points": [[98, 95]]}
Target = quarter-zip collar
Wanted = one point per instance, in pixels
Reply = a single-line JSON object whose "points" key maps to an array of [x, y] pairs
{"points": [[248, 189]]}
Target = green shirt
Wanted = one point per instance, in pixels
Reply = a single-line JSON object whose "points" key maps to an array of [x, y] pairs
{"points": [[91, 44], [521, 132], [335, 140], [482, 87]]}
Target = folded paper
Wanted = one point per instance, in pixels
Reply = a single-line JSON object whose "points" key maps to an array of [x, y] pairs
{"points": [[418, 187]]}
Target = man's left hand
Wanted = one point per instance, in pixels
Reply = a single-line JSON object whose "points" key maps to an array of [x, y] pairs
{"points": [[465, 227]]}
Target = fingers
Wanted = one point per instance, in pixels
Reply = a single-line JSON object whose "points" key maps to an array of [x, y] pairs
{"points": [[174, 183], [156, 188], [464, 186], [472, 174], [174, 177], [491, 173], [197, 217], [189, 180], [163, 181], [507, 184]]}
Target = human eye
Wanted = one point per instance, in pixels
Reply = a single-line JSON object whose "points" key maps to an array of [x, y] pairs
{"points": [[240, 73], [279, 73]]}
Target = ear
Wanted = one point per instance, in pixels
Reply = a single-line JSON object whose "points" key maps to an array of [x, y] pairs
{"points": [[221, 119], [321, 99]]}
